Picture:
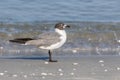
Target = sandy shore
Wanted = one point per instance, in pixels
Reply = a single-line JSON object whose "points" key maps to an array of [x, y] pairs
{"points": [[82, 68]]}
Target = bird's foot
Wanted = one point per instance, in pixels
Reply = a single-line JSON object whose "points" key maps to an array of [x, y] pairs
{"points": [[52, 60]]}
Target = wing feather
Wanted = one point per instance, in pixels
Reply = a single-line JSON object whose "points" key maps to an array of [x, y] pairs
{"points": [[45, 39]]}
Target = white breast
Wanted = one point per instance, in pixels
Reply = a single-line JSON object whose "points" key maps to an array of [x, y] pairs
{"points": [[58, 44]]}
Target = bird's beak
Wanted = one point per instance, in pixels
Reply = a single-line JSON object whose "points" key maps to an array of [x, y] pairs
{"points": [[66, 26]]}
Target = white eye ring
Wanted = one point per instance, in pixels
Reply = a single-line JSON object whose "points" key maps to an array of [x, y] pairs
{"points": [[64, 26]]}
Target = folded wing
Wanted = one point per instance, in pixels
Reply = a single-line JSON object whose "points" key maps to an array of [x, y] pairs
{"points": [[45, 39]]}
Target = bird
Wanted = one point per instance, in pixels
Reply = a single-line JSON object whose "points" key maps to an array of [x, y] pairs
{"points": [[48, 40]]}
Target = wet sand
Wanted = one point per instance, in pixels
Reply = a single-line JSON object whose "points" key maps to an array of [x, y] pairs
{"points": [[74, 68]]}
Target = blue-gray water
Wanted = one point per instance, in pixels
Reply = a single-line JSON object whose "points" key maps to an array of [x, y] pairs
{"points": [[60, 10], [84, 38]]}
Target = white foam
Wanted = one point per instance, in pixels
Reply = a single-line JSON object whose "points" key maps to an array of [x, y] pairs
{"points": [[71, 73], [105, 70], [74, 69], [25, 76], [75, 63], [50, 73], [1, 47], [61, 74], [118, 68], [118, 41], [44, 74], [15, 75], [46, 62], [60, 70], [101, 61], [74, 51], [1, 74]]}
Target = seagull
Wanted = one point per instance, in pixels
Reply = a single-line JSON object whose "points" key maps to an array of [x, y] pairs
{"points": [[48, 41]]}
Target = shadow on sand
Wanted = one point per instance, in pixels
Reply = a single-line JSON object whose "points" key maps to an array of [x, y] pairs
{"points": [[26, 58]]}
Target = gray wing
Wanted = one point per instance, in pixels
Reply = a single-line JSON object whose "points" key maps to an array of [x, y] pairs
{"points": [[45, 39]]}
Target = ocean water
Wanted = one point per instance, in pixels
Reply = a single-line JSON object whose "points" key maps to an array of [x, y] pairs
{"points": [[94, 25], [84, 38], [59, 10]]}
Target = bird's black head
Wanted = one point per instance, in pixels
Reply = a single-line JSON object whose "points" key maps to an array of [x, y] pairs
{"points": [[61, 26]]}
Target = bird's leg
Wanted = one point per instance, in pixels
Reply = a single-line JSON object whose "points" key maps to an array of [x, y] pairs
{"points": [[50, 57]]}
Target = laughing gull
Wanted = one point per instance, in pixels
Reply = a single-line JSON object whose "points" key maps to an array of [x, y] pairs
{"points": [[48, 41]]}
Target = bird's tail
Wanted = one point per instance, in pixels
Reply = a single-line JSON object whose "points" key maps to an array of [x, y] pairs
{"points": [[21, 40]]}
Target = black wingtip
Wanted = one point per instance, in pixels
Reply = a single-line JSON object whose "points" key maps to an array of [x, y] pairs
{"points": [[17, 41], [20, 40]]}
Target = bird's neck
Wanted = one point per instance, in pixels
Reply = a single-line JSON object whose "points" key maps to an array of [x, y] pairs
{"points": [[60, 32]]}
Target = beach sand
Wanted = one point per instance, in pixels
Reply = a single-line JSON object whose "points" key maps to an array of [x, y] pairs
{"points": [[74, 68]]}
